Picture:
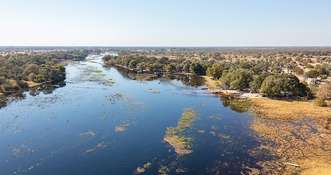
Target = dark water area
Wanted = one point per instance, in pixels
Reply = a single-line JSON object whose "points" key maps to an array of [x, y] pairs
{"points": [[102, 122]]}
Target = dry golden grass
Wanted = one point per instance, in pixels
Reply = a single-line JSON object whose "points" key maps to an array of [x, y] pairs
{"points": [[281, 109], [178, 144], [300, 146], [314, 167]]}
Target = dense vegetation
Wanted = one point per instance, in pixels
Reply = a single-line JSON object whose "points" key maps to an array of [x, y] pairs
{"points": [[262, 76], [143, 64], [19, 71]]}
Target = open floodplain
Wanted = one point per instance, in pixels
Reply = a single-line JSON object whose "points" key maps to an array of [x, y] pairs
{"points": [[104, 121]]}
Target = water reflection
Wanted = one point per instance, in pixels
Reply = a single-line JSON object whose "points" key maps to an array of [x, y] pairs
{"points": [[238, 105], [188, 80], [34, 91]]}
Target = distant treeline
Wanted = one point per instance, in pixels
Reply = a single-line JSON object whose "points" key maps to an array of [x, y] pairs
{"points": [[261, 76]]}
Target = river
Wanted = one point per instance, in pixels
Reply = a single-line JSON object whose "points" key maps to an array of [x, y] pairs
{"points": [[104, 123]]}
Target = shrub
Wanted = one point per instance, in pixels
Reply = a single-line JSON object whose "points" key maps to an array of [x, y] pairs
{"points": [[215, 71], [320, 102], [324, 91]]}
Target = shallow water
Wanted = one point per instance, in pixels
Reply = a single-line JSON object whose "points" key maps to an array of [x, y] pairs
{"points": [[103, 123]]}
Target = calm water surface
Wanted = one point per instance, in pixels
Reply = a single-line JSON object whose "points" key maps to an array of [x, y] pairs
{"points": [[102, 123]]}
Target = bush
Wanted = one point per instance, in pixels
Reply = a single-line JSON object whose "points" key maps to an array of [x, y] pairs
{"points": [[324, 91], [320, 102], [215, 71], [312, 73]]}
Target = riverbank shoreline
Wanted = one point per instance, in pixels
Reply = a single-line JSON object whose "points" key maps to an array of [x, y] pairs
{"points": [[273, 108], [282, 124], [284, 109]]}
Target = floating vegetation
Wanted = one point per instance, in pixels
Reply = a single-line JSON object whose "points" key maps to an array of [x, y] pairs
{"points": [[215, 117], [88, 134], [94, 74], [144, 168], [108, 82], [153, 91], [175, 136], [223, 136], [201, 131], [135, 104], [132, 103], [122, 127], [22, 150], [181, 170], [44, 101], [163, 170], [116, 97], [100, 145], [213, 133]]}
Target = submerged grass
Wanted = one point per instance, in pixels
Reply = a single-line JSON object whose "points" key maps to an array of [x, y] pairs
{"points": [[143, 169], [299, 146], [122, 127], [175, 136]]}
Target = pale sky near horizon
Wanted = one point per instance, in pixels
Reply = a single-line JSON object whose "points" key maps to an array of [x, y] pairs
{"points": [[165, 22]]}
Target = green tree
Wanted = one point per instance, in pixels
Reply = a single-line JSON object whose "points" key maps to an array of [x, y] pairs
{"points": [[215, 71], [279, 85], [271, 86], [255, 85], [169, 68], [197, 69], [237, 78]]}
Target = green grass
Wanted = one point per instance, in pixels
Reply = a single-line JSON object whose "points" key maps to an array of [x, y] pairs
{"points": [[178, 132]]}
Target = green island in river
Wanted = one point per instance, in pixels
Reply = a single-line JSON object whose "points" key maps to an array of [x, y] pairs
{"points": [[176, 136]]}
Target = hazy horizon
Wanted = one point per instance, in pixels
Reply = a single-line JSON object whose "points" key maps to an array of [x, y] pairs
{"points": [[156, 23]]}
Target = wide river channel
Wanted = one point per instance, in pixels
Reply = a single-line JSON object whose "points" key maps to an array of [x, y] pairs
{"points": [[102, 122]]}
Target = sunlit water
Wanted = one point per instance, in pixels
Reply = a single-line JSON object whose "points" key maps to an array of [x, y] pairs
{"points": [[102, 123]]}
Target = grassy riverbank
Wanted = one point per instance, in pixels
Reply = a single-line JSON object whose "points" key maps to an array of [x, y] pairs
{"points": [[277, 108], [297, 133], [288, 109]]}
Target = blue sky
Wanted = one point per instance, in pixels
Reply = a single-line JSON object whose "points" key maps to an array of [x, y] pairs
{"points": [[166, 22]]}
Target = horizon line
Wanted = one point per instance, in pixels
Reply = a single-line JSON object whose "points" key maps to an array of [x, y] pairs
{"points": [[174, 46]]}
